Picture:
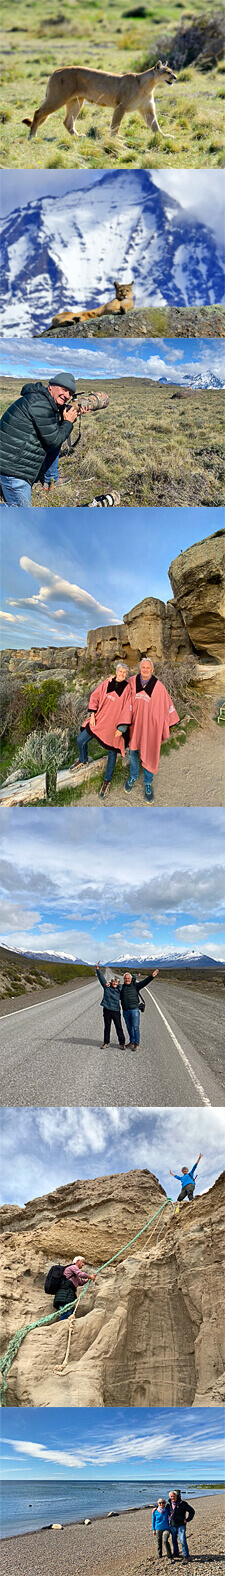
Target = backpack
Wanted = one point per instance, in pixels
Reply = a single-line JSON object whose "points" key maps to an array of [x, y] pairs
{"points": [[53, 1279], [141, 1002]]}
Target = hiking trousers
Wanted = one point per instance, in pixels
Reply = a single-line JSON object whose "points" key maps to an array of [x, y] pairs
{"points": [[163, 1541], [112, 1017], [186, 1192]]}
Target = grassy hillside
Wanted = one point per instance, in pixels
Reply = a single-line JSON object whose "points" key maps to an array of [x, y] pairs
{"points": [[155, 445], [19, 974], [36, 42]]}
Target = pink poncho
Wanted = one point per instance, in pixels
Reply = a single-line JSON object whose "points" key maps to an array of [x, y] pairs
{"points": [[110, 710], [152, 717]]}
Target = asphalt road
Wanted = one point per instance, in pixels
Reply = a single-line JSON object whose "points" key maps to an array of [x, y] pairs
{"points": [[50, 1053]]}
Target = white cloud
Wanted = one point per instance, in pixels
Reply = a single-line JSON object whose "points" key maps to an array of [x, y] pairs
{"points": [[200, 192], [54, 588], [186, 1441], [12, 618]]}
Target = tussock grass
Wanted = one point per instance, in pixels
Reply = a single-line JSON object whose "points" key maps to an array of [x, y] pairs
{"points": [[152, 448], [191, 112]]}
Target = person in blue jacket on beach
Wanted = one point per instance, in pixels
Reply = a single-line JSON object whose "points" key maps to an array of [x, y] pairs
{"points": [[187, 1180], [161, 1528]]}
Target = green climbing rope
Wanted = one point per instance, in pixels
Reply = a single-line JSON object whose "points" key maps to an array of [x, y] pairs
{"points": [[49, 1318]]}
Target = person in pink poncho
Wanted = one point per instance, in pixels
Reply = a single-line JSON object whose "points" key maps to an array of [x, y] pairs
{"points": [[108, 718], [153, 714]]}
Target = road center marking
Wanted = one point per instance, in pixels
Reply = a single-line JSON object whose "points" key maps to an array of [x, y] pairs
{"points": [[184, 1058]]}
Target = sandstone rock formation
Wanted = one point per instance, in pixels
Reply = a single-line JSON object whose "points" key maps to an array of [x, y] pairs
{"points": [[198, 584], [151, 1329], [190, 624]]}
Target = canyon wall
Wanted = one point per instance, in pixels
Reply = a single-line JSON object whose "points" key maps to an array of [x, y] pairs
{"points": [[151, 1329]]}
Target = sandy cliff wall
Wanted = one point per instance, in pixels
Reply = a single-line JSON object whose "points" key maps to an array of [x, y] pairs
{"points": [[151, 1330]]}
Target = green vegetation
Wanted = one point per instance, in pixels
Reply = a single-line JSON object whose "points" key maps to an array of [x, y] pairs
{"points": [[22, 975], [155, 445], [189, 322], [19, 974], [36, 42]]}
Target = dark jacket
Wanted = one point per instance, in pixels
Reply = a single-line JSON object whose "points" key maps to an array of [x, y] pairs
{"points": [[129, 994], [111, 997], [177, 1516], [31, 428], [66, 1293]]}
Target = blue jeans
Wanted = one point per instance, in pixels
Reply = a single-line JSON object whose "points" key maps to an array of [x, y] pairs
{"points": [[66, 1313], [179, 1532], [17, 491], [132, 1021], [82, 745], [135, 769]]}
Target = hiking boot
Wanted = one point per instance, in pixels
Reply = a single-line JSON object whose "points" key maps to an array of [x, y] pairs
{"points": [[149, 795], [129, 784], [104, 790], [75, 764]]}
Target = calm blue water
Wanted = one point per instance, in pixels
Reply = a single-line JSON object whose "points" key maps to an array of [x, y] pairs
{"points": [[27, 1506]]}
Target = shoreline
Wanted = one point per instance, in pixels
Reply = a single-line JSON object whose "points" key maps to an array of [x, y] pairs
{"points": [[106, 1515], [116, 1544]]}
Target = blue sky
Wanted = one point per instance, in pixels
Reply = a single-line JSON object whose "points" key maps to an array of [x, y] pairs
{"points": [[95, 885], [200, 192], [114, 1443], [156, 358], [43, 1149], [64, 573]]}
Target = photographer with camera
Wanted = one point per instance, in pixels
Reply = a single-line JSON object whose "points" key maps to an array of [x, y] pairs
{"points": [[33, 430]]}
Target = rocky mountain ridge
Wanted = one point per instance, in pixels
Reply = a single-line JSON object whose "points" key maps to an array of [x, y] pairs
{"points": [[132, 228], [151, 1329]]}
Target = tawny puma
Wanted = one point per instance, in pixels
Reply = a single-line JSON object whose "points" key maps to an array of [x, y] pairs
{"points": [[73, 85], [123, 301]]}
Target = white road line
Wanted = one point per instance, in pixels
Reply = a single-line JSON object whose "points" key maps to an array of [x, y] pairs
{"points": [[36, 1006], [184, 1058]]}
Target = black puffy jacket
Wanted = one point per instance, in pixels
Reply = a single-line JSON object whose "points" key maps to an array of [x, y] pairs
{"points": [[178, 1516], [130, 993], [31, 428]]}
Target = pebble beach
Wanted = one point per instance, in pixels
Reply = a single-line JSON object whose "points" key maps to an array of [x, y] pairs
{"points": [[116, 1545]]}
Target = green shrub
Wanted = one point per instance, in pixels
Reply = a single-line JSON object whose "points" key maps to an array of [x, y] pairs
{"points": [[43, 751]]}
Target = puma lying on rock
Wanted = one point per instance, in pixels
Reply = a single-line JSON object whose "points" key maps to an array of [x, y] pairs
{"points": [[123, 301]]}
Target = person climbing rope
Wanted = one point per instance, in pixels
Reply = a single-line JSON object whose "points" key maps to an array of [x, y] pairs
{"points": [[64, 1281], [187, 1180], [15, 1342]]}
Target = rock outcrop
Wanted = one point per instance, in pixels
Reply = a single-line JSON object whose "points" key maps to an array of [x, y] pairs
{"points": [[193, 623], [151, 1329], [198, 584]]}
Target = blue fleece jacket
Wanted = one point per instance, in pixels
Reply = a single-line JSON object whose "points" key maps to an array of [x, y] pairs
{"points": [[189, 1176], [111, 997], [160, 1520]]}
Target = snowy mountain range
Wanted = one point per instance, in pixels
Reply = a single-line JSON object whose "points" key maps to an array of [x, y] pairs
{"points": [[176, 960], [59, 252], [198, 380]]}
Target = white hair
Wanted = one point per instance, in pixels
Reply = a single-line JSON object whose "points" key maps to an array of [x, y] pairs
{"points": [[122, 664]]}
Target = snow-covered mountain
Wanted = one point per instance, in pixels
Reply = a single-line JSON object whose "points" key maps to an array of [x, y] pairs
{"points": [[59, 252], [173, 960], [197, 380]]}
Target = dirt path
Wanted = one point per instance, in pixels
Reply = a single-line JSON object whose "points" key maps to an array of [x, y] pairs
{"points": [[191, 775]]}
